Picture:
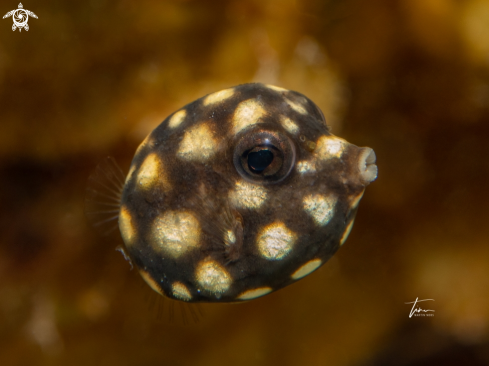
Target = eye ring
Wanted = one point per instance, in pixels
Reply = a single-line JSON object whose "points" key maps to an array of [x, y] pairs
{"points": [[264, 155]]}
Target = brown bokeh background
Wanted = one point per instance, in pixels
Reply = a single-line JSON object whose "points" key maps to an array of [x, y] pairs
{"points": [[409, 78]]}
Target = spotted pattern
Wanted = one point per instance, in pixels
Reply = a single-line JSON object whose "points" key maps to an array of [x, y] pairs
{"points": [[132, 169], [289, 125], [296, 106], [254, 293], [320, 207], [329, 147], [128, 231], [201, 230], [276, 241], [149, 172], [346, 233], [213, 277], [150, 281], [356, 200], [177, 119], [230, 238], [198, 144], [304, 167], [248, 195], [181, 292], [218, 97], [307, 268], [175, 233], [248, 113], [276, 88]]}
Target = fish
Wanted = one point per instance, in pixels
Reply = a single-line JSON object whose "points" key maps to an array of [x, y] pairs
{"points": [[236, 195]]}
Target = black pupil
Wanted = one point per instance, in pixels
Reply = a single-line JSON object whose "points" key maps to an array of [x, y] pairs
{"points": [[258, 161]]}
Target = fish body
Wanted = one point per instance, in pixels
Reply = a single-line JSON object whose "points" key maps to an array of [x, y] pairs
{"points": [[240, 193]]}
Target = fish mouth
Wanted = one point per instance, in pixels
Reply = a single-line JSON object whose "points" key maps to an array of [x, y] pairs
{"points": [[366, 165]]}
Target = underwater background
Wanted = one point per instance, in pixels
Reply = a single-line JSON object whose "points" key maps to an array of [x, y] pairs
{"points": [[408, 78]]}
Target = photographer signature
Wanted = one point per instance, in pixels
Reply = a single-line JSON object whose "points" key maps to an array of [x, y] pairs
{"points": [[418, 310]]}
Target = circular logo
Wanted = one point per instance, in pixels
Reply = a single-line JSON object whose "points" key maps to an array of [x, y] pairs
{"points": [[20, 18]]}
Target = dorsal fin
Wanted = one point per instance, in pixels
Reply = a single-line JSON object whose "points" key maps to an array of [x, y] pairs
{"points": [[103, 196]]}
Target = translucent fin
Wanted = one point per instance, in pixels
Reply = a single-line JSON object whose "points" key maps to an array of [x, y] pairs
{"points": [[103, 196], [125, 255], [220, 221], [170, 311]]}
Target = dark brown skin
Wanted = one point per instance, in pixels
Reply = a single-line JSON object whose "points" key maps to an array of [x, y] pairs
{"points": [[253, 183]]}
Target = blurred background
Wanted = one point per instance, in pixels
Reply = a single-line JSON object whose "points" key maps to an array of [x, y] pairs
{"points": [[409, 78]]}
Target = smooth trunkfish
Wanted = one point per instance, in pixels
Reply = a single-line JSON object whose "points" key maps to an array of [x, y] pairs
{"points": [[236, 195]]}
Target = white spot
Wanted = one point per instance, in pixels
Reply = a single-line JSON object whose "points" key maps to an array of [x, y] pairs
{"points": [[296, 106], [328, 147], [151, 173], [180, 291], [253, 294], [356, 200], [218, 96], [307, 268], [320, 207], [150, 281], [177, 118], [275, 241], [131, 171], [248, 195], [213, 277], [198, 144], [346, 233], [276, 88], [126, 226], [289, 125], [305, 166], [175, 233], [229, 238], [248, 112]]}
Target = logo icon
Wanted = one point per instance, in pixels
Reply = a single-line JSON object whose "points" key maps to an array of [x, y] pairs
{"points": [[20, 17], [418, 311]]}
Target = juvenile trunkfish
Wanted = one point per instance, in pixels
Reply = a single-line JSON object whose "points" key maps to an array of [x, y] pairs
{"points": [[237, 194]]}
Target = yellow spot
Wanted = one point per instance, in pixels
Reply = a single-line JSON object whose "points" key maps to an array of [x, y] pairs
{"points": [[213, 277], [247, 113], [275, 241], [289, 125], [126, 226], [131, 171], [355, 200], [320, 207], [150, 281], [180, 291], [296, 106], [151, 173], [253, 294], [230, 238], [329, 147], [198, 144], [346, 233], [177, 118], [307, 269], [175, 233], [248, 195], [305, 166], [276, 88], [218, 96]]}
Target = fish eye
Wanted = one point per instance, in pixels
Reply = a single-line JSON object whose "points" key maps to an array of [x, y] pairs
{"points": [[264, 156]]}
